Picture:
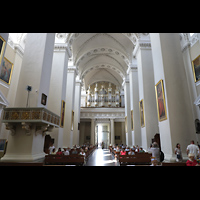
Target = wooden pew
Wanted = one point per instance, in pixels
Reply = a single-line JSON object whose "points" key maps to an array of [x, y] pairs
{"points": [[64, 159], [174, 164], [137, 159], [21, 164]]}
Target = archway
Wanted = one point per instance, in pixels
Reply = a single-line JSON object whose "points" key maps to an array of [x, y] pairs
{"points": [[102, 134]]}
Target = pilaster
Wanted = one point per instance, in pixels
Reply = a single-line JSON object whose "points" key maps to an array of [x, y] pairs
{"points": [[69, 109], [146, 91], [134, 99], [179, 126]]}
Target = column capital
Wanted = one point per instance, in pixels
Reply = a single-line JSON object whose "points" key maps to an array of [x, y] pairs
{"points": [[72, 69], [142, 44], [63, 48], [132, 67], [125, 80]]}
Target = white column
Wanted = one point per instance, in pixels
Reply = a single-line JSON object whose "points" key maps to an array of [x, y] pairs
{"points": [[58, 86], [92, 131], [134, 99], [146, 90], [69, 107], [112, 125], [190, 77], [77, 107], [35, 69], [127, 111], [168, 62]]}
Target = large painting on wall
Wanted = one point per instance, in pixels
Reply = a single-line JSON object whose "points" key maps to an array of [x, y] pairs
{"points": [[72, 122], [6, 71], [126, 128], [141, 106], [2, 47], [62, 117], [132, 126], [196, 68], [160, 98]]}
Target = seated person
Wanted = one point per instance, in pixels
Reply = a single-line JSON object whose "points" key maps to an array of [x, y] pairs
{"points": [[127, 148], [123, 152], [59, 152], [133, 148], [117, 149], [141, 150], [82, 152], [131, 152], [53, 151], [74, 151], [66, 152], [191, 161]]}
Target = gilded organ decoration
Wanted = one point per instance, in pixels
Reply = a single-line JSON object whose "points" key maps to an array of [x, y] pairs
{"points": [[103, 94]]}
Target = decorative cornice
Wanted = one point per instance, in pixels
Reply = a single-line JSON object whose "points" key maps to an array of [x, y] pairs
{"points": [[132, 67], [19, 50], [72, 69], [143, 45], [60, 47]]}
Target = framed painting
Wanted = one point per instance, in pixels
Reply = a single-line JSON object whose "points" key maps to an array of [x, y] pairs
{"points": [[196, 68], [44, 99], [2, 47], [62, 117], [6, 71], [142, 120], [72, 122], [132, 125], [160, 99], [126, 128]]}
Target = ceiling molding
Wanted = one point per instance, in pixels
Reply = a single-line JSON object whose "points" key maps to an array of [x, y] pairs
{"points": [[102, 50]]}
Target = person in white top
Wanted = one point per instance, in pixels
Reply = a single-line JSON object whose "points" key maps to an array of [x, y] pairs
{"points": [[51, 148], [192, 148]]}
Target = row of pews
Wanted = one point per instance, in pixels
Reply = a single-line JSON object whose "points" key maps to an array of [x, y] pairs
{"points": [[137, 159], [72, 159]]}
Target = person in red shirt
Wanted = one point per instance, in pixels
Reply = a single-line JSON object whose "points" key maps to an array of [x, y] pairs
{"points": [[191, 161], [59, 152], [123, 152]]}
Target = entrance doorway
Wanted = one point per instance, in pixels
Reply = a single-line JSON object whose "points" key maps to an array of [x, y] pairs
{"points": [[103, 135]]}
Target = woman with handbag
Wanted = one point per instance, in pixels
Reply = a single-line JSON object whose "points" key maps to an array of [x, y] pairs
{"points": [[178, 153]]}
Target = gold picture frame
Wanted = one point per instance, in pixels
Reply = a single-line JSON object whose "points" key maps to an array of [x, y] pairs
{"points": [[160, 99], [196, 68], [132, 124], [72, 121], [62, 115], [6, 71], [2, 47], [142, 119]]}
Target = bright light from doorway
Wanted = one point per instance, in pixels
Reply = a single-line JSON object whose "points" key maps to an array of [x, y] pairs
{"points": [[99, 133]]}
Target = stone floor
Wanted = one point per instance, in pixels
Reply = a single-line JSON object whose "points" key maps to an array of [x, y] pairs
{"points": [[102, 157]]}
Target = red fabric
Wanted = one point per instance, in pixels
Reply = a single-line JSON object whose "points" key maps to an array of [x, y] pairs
{"points": [[190, 163], [123, 153]]}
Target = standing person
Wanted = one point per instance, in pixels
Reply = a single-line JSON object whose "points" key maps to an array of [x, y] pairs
{"points": [[192, 148], [155, 150], [51, 148], [178, 153]]}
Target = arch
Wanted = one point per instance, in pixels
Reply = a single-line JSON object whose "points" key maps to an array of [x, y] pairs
{"points": [[102, 50], [104, 66]]}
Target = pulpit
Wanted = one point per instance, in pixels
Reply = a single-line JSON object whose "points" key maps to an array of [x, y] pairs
{"points": [[28, 127]]}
